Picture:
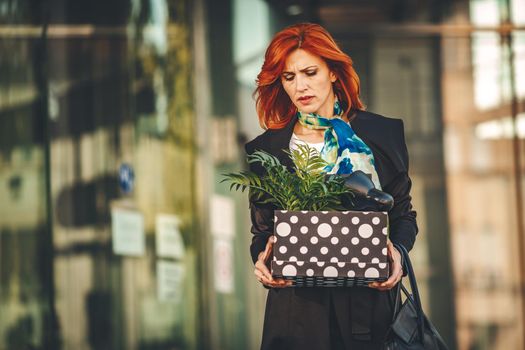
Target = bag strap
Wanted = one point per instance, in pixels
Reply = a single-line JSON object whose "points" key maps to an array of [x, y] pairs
{"points": [[397, 299], [413, 298]]}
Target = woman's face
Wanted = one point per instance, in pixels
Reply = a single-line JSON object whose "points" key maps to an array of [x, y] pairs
{"points": [[308, 81]]}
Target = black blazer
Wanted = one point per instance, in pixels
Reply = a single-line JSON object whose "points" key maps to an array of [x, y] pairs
{"points": [[385, 137], [311, 318]]}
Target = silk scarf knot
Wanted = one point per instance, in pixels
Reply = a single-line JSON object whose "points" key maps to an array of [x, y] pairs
{"points": [[343, 150]]}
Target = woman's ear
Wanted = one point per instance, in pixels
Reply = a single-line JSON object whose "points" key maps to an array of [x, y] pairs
{"points": [[333, 77]]}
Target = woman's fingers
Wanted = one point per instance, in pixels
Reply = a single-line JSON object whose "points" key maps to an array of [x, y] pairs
{"points": [[269, 281], [277, 283], [397, 270], [262, 272], [268, 250], [261, 266]]}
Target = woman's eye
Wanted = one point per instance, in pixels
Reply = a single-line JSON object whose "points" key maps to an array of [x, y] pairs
{"points": [[311, 73], [288, 77]]}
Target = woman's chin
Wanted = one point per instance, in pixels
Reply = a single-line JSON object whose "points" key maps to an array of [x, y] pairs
{"points": [[307, 109]]}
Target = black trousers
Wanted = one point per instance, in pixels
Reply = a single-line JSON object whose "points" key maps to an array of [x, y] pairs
{"points": [[336, 338], [326, 318]]}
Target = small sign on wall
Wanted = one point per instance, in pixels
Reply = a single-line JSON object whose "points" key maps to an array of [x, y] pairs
{"points": [[170, 277], [222, 227], [127, 231], [168, 239], [223, 271], [222, 213]]}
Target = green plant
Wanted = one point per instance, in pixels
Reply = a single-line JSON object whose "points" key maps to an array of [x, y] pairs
{"points": [[308, 188]]}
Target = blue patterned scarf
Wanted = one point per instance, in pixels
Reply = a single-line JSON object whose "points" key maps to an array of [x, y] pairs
{"points": [[343, 150]]}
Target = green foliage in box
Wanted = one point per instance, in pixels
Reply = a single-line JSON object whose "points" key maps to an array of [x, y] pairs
{"points": [[308, 188]]}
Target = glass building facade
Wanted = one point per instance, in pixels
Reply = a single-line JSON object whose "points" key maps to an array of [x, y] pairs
{"points": [[86, 89], [118, 118]]}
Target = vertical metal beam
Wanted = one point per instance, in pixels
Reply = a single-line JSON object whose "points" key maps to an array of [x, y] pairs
{"points": [[51, 330], [517, 154], [507, 40], [202, 181]]}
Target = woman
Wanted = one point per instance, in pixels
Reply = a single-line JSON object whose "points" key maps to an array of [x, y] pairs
{"points": [[308, 92]]}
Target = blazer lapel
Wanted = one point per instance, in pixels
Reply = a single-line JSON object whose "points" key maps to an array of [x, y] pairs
{"points": [[281, 143], [361, 125]]}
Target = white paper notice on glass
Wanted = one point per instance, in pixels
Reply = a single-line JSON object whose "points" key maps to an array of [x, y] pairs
{"points": [[223, 265], [127, 231], [170, 280], [168, 240], [222, 216]]}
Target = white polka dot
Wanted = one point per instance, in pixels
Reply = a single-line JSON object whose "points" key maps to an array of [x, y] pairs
{"points": [[309, 272], [345, 212], [371, 273], [334, 240], [341, 264], [283, 249], [330, 271], [300, 263], [375, 260], [366, 212], [345, 230], [283, 229], [279, 262], [289, 270], [361, 264], [293, 239], [304, 229], [351, 273], [324, 250], [314, 240], [304, 211], [314, 219], [344, 250], [375, 241], [292, 258], [320, 263], [354, 260], [335, 220], [334, 260], [324, 230], [355, 220], [375, 220], [382, 265], [365, 230], [365, 251], [355, 241], [324, 212], [384, 251], [303, 250], [293, 219], [275, 218], [385, 231], [313, 259]]}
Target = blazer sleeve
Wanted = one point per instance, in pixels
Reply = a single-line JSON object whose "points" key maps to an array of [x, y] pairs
{"points": [[261, 216], [402, 217]]}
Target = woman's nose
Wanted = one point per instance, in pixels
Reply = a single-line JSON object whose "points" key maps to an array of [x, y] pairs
{"points": [[300, 83]]}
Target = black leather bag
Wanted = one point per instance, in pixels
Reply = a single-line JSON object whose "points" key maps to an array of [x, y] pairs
{"points": [[410, 329]]}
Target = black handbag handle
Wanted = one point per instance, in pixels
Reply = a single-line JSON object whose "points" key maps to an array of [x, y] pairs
{"points": [[413, 298]]}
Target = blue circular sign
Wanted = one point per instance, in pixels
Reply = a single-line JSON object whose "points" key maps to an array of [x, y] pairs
{"points": [[126, 178]]}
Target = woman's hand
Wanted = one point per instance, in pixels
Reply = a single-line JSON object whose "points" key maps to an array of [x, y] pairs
{"points": [[263, 273], [395, 267]]}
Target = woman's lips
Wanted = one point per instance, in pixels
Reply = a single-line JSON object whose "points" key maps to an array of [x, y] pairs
{"points": [[305, 100]]}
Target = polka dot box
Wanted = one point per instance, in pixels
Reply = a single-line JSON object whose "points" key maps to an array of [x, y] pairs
{"points": [[330, 248]]}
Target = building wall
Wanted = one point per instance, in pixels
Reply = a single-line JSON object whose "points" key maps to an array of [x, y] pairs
{"points": [[104, 84]]}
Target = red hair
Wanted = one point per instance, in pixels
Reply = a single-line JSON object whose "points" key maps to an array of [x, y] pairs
{"points": [[274, 107]]}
